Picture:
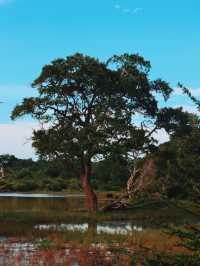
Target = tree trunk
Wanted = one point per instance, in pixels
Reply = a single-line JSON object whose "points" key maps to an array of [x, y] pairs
{"points": [[91, 198]]}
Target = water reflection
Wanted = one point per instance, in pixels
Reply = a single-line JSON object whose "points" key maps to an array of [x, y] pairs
{"points": [[28, 195], [122, 228], [40, 202]]}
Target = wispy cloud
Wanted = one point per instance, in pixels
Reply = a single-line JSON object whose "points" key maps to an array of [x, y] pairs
{"points": [[137, 10], [117, 7], [4, 2], [194, 91], [15, 92], [128, 10]]}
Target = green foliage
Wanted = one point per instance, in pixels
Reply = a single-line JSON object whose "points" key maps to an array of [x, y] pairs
{"points": [[110, 174], [176, 122], [187, 92], [10, 161], [74, 184], [89, 112], [179, 162], [189, 239], [25, 185], [177, 260], [89, 107]]}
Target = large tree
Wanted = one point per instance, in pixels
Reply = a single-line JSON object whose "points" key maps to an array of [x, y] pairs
{"points": [[89, 110]]}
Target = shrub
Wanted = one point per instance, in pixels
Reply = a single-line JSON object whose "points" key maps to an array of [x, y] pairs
{"points": [[73, 184]]}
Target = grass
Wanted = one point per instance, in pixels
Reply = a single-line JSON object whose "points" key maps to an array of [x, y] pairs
{"points": [[92, 249], [19, 225]]}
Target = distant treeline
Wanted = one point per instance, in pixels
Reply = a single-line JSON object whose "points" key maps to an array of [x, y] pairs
{"points": [[28, 175]]}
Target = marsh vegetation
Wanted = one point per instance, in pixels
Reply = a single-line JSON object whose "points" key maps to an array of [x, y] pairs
{"points": [[45, 229]]}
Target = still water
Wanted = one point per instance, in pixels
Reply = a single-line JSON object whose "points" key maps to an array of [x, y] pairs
{"points": [[55, 203], [67, 202], [41, 202]]}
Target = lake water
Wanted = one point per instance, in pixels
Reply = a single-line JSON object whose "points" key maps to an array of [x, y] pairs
{"points": [[48, 196], [66, 203], [41, 202]]}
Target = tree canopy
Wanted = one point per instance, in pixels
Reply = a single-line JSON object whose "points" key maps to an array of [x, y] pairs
{"points": [[89, 110]]}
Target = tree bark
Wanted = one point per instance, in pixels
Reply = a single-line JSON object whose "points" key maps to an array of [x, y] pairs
{"points": [[91, 198]]}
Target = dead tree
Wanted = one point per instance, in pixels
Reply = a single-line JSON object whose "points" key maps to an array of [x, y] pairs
{"points": [[133, 169], [2, 172]]}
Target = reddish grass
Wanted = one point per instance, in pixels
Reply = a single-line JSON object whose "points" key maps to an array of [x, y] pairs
{"points": [[115, 254]]}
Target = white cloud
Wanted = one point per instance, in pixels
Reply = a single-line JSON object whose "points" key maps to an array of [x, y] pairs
{"points": [[161, 136], [16, 139]]}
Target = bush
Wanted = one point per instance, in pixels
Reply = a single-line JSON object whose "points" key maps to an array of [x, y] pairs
{"points": [[55, 184], [23, 173], [24, 185], [73, 184]]}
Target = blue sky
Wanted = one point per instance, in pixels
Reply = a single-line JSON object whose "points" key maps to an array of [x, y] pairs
{"points": [[33, 32]]}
